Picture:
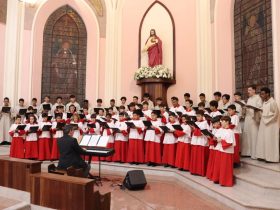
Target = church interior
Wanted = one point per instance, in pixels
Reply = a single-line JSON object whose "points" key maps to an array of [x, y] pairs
{"points": [[139, 104]]}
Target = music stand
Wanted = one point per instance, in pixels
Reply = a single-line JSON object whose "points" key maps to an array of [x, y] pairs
{"points": [[95, 141]]}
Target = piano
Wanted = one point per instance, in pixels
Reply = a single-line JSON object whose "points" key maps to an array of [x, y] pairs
{"points": [[99, 151]]}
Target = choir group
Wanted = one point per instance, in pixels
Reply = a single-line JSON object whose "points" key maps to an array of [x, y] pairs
{"points": [[202, 139]]}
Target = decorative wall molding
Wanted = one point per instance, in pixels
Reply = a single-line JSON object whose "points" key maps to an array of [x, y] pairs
{"points": [[204, 48], [276, 47], [113, 50], [13, 46]]}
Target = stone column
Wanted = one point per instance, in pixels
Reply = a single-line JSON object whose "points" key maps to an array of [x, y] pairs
{"points": [[113, 49], [204, 48], [276, 47], [13, 45]]}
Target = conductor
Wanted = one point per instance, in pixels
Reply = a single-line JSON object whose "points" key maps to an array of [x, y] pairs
{"points": [[70, 152]]}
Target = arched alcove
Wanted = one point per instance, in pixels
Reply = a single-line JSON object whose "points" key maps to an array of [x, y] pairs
{"points": [[158, 17], [64, 55], [46, 8]]}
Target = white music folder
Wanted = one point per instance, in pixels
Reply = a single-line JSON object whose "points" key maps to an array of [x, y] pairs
{"points": [[103, 141], [85, 140], [94, 140]]}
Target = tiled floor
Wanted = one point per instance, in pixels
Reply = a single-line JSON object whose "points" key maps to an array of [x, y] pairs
{"points": [[5, 202], [158, 195]]}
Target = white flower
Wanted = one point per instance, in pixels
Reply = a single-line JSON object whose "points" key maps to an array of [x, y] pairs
{"points": [[158, 71]]}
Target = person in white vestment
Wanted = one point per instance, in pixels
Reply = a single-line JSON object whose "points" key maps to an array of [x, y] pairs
{"points": [[251, 124], [268, 135], [5, 121], [218, 97]]}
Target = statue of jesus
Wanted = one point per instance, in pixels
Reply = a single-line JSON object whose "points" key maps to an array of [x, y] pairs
{"points": [[153, 46]]}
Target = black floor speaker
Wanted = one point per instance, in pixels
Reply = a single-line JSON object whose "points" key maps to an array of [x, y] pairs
{"points": [[135, 180]]}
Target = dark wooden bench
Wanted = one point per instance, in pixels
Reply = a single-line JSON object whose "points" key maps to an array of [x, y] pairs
{"points": [[62, 192], [15, 173]]}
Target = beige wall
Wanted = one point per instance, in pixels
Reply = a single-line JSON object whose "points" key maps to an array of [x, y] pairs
{"points": [[2, 58], [189, 56]]}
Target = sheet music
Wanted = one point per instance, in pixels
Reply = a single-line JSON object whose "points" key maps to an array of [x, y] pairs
{"points": [[94, 140], [85, 140], [103, 141]]}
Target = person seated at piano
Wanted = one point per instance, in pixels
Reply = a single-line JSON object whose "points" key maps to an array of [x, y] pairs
{"points": [[70, 152], [78, 126], [147, 112], [189, 110]]}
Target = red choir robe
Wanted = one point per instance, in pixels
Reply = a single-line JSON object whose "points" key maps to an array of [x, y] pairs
{"points": [[236, 128], [169, 146], [199, 150], [109, 132], [17, 145], [135, 152], [44, 142], [183, 153], [212, 153], [152, 143], [31, 143], [223, 164], [121, 142], [56, 134]]}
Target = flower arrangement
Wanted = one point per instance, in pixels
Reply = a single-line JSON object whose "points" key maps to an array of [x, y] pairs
{"points": [[158, 71]]}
